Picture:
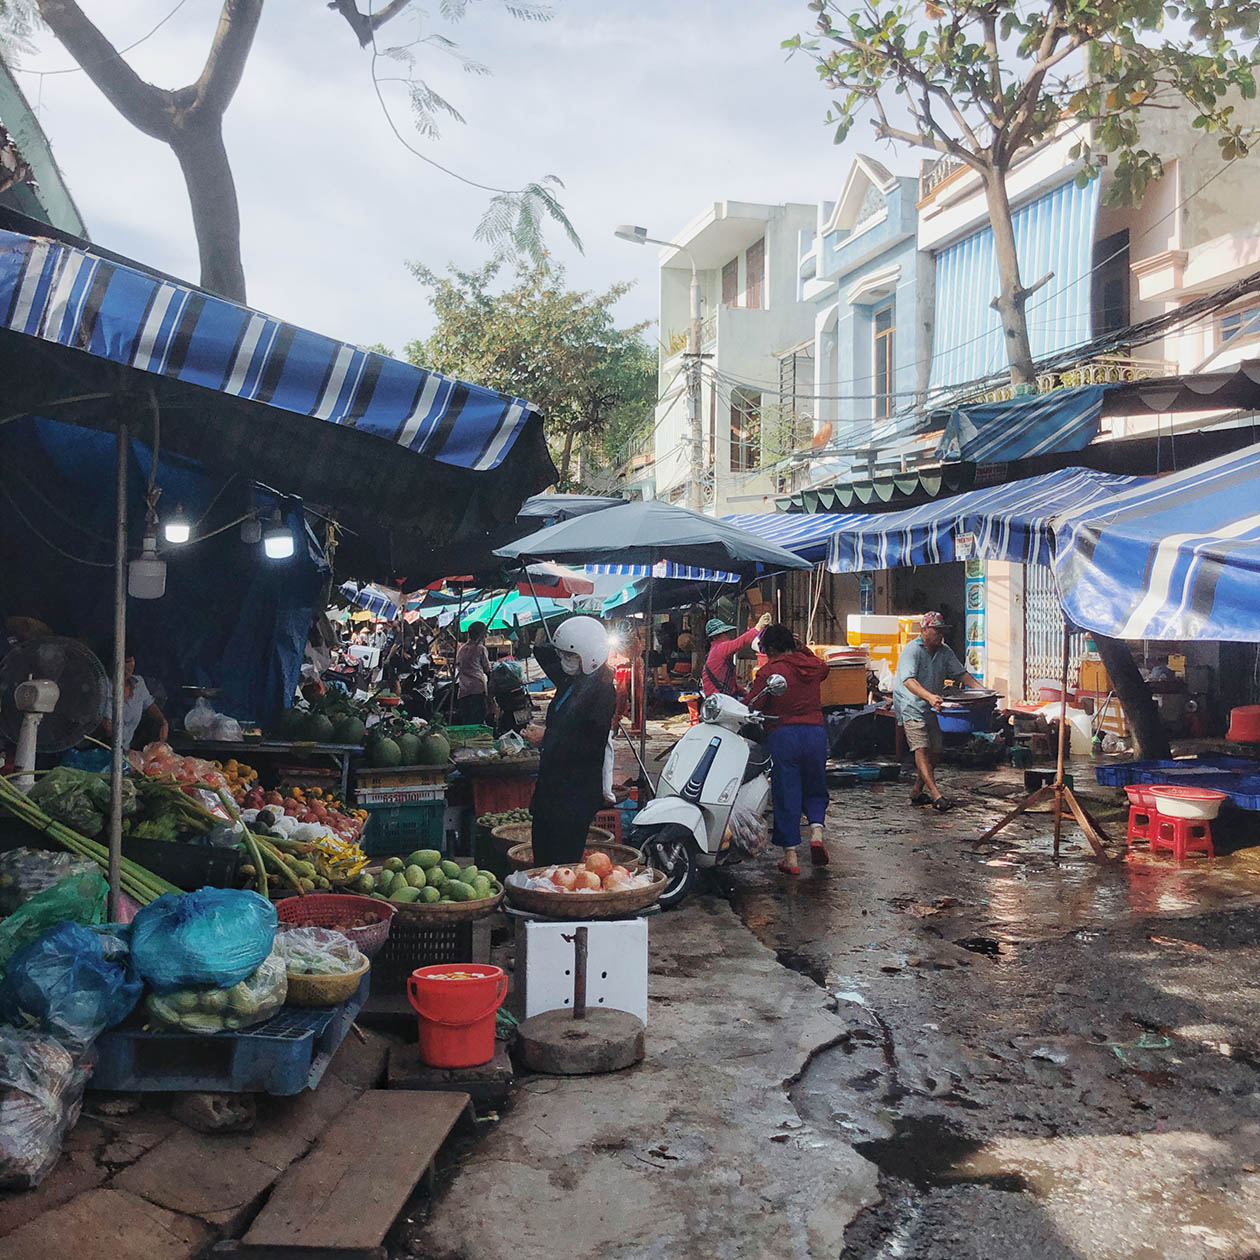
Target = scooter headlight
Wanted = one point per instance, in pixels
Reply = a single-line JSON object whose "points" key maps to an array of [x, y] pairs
{"points": [[711, 709]]}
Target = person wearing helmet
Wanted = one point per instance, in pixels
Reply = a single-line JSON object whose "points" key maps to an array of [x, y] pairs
{"points": [[570, 788], [724, 645]]}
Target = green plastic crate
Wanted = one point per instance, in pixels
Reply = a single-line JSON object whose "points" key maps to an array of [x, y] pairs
{"points": [[399, 829], [461, 735]]}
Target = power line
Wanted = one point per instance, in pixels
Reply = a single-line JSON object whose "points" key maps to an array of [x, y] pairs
{"points": [[47, 74]]}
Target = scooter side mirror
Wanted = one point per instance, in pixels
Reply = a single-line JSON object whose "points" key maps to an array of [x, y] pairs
{"points": [[776, 685]]}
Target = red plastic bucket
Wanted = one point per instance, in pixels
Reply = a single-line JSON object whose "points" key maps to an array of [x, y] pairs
{"points": [[456, 1003]]}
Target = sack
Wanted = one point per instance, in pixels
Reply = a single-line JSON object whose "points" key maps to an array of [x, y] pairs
{"points": [[207, 1009], [41, 1091], [215, 936], [317, 951], [61, 986], [25, 872], [76, 898]]}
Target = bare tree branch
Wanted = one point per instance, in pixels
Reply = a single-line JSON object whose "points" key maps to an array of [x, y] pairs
{"points": [[365, 25], [225, 63], [144, 106]]}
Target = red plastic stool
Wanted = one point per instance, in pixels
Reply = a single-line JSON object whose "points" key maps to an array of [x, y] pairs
{"points": [[1181, 835], [1142, 812]]}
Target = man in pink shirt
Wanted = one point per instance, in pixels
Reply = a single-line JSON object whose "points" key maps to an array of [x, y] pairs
{"points": [[724, 645]]}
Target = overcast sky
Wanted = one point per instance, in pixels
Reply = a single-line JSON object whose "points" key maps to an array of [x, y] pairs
{"points": [[649, 110]]}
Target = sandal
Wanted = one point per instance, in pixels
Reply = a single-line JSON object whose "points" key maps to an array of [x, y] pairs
{"points": [[942, 804], [922, 798], [818, 854]]}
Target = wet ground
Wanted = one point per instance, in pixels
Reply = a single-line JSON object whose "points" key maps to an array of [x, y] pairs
{"points": [[1042, 1059]]}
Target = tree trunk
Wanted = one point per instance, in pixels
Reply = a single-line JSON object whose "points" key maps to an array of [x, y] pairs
{"points": [[562, 481], [216, 214], [1010, 300], [1140, 711]]}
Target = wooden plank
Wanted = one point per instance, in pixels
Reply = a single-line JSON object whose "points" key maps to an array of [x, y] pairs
{"points": [[346, 1193]]}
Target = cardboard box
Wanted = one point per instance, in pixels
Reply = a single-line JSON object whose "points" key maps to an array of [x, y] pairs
{"points": [[1093, 676]]}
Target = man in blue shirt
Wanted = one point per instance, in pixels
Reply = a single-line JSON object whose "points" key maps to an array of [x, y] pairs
{"points": [[924, 665]]}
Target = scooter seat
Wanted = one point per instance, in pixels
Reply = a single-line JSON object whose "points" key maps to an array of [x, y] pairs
{"points": [[758, 763]]}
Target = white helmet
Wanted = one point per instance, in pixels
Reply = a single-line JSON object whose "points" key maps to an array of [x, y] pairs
{"points": [[586, 639]]}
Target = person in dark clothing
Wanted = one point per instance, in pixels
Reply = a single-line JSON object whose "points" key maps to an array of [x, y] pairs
{"points": [[570, 788]]}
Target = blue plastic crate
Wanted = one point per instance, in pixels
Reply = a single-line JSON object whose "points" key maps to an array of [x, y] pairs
{"points": [[1121, 773], [285, 1055]]}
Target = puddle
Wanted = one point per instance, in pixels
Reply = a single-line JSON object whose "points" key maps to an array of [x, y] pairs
{"points": [[927, 1151]]}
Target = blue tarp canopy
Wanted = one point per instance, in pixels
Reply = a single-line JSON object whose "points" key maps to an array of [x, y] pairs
{"points": [[1010, 522], [1175, 558], [501, 612], [411, 462], [992, 433], [803, 534]]}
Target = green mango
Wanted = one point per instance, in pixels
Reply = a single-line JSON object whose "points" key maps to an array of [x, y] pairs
{"points": [[452, 870], [429, 893], [468, 874], [405, 895], [457, 890], [394, 864], [426, 859], [365, 883], [482, 887], [414, 876], [385, 881]]}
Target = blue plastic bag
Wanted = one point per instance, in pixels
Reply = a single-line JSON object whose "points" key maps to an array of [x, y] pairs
{"points": [[215, 936], [62, 986]]}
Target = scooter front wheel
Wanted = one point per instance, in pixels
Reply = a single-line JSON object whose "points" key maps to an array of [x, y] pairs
{"points": [[671, 848]]}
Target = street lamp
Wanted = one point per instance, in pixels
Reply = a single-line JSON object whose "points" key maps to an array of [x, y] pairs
{"points": [[639, 236]]}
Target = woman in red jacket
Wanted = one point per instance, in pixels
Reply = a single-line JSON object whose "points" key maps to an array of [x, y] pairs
{"points": [[797, 744]]}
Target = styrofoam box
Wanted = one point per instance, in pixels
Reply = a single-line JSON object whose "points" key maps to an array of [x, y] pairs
{"points": [[616, 966]]}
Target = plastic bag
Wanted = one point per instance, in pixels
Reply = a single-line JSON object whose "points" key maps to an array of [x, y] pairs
{"points": [[78, 898], [61, 985], [748, 831], [199, 719], [25, 872], [41, 1091], [509, 744], [317, 951], [215, 936], [74, 797], [607, 779], [208, 1009]]}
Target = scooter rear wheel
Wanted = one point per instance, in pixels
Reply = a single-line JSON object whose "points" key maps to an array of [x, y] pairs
{"points": [[671, 848]]}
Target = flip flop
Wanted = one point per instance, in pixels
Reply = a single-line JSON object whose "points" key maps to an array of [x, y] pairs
{"points": [[942, 804], [921, 799], [818, 854]]}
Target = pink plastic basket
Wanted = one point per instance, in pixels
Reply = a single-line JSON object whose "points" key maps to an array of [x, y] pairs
{"points": [[325, 909]]}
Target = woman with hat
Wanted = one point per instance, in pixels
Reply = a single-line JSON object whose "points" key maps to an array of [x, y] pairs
{"points": [[724, 646]]}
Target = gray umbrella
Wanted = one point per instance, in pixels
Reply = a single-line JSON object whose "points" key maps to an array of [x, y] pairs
{"points": [[645, 533], [649, 531]]}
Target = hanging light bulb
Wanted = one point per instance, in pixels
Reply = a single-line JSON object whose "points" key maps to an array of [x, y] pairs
{"points": [[177, 528], [251, 530], [278, 538], [146, 575]]}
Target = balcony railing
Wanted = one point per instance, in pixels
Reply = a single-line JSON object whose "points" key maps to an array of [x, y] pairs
{"points": [[1107, 369], [676, 338]]}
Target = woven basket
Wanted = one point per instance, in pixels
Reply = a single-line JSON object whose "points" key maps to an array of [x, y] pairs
{"points": [[324, 990], [596, 905], [511, 835], [325, 909], [439, 912], [521, 856]]}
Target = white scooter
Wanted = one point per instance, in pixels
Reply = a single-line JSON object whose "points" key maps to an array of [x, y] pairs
{"points": [[713, 769]]}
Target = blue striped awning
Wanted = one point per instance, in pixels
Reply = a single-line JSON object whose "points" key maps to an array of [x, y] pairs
{"points": [[1010, 522], [805, 535], [374, 599], [665, 569], [76, 298], [1175, 558], [992, 433]]}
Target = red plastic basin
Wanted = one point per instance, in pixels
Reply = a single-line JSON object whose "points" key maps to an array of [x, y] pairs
{"points": [[1139, 794], [1175, 801], [1244, 724]]}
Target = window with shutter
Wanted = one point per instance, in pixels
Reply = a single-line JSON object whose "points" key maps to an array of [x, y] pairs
{"points": [[756, 271], [730, 283]]}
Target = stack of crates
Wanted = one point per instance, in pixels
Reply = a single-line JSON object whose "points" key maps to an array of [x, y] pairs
{"points": [[406, 807]]}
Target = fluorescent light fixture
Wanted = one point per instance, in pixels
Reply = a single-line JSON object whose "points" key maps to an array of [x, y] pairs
{"points": [[251, 530], [146, 575], [177, 529], [278, 538]]}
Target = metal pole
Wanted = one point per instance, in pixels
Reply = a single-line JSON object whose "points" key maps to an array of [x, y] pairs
{"points": [[579, 972], [694, 494], [646, 788], [1058, 774], [120, 657]]}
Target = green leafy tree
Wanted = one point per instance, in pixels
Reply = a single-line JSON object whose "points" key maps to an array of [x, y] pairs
{"points": [[984, 82], [189, 119], [560, 348]]}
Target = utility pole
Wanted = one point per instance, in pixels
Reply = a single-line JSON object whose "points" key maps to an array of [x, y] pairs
{"points": [[694, 357]]}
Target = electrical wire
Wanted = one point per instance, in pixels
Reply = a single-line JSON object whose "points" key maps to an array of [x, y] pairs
{"points": [[17, 511], [47, 74]]}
